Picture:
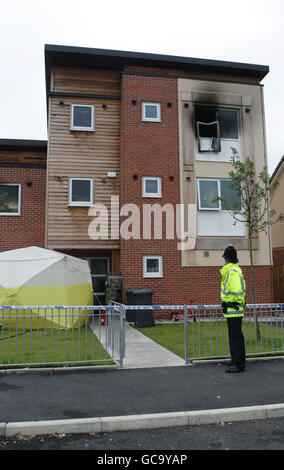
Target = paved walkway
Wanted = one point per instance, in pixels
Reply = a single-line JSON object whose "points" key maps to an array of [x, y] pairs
{"points": [[141, 351]]}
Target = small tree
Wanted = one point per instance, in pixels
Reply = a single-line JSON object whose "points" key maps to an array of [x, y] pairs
{"points": [[252, 208]]}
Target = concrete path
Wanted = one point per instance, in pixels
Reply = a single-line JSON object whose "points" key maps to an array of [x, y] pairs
{"points": [[141, 351]]}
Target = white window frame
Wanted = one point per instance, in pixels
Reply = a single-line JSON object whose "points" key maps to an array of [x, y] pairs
{"points": [[80, 203], [145, 118], [199, 199], [217, 156], [219, 208], [19, 199], [152, 178], [157, 274], [82, 128]]}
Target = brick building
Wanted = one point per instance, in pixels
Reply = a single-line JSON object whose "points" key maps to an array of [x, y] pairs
{"points": [[22, 193], [132, 132]]}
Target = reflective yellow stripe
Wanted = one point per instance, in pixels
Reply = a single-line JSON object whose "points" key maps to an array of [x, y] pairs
{"points": [[233, 314], [226, 282]]}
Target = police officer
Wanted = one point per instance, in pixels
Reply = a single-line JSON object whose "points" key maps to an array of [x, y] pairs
{"points": [[233, 291]]}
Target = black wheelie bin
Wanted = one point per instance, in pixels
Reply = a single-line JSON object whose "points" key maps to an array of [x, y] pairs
{"points": [[141, 318]]}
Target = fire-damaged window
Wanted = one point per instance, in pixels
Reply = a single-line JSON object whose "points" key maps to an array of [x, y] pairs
{"points": [[217, 129]]}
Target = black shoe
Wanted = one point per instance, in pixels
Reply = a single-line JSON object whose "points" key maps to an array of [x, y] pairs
{"points": [[234, 369]]}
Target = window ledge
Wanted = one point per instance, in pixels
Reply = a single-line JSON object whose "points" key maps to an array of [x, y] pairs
{"points": [[78, 129], [9, 213], [87, 204], [151, 120], [219, 243], [153, 277]]}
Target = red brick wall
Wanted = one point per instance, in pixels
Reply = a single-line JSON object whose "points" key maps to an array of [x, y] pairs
{"points": [[27, 229], [181, 285], [149, 148], [152, 149]]}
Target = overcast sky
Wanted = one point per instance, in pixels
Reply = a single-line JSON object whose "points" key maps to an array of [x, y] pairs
{"points": [[248, 31]]}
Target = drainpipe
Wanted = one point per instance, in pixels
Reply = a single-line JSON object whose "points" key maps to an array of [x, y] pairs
{"points": [[265, 159]]}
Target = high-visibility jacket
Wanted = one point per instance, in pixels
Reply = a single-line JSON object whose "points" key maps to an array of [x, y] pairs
{"points": [[233, 289]]}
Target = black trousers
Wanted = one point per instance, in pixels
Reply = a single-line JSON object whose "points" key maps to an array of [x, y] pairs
{"points": [[236, 341]]}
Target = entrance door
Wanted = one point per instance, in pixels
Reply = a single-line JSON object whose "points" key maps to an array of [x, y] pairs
{"points": [[99, 267]]}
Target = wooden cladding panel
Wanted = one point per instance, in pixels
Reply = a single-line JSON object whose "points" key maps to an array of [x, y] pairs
{"points": [[97, 82], [81, 154], [22, 157]]}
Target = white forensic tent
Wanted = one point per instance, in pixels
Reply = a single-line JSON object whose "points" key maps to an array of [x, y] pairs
{"points": [[36, 276]]}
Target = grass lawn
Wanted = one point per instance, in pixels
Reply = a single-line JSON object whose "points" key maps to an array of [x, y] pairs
{"points": [[210, 339], [51, 347]]}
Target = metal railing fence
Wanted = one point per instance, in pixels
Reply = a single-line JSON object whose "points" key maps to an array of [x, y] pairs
{"points": [[60, 335], [206, 335], [205, 329], [84, 335]]}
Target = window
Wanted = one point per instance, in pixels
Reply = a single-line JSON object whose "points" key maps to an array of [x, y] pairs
{"points": [[231, 198], [81, 192], [151, 186], [217, 130], [214, 217], [10, 199], [151, 112], [209, 190], [152, 266], [82, 117]]}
